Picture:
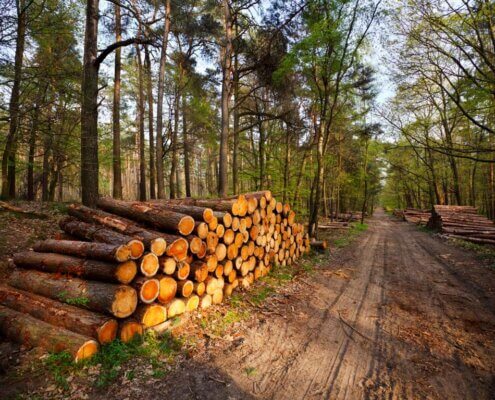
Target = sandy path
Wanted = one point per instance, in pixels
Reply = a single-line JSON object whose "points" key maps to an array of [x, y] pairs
{"points": [[400, 315]]}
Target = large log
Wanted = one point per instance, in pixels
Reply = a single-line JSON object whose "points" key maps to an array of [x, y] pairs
{"points": [[97, 233], [150, 314], [153, 240], [160, 219], [148, 289], [32, 332], [84, 322], [118, 300], [78, 267], [198, 213], [96, 251]]}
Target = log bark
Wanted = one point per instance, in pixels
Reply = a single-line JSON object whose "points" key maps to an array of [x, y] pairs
{"points": [[87, 323], [198, 213], [117, 300], [97, 233], [31, 332], [154, 241], [77, 267], [96, 251], [168, 221]]}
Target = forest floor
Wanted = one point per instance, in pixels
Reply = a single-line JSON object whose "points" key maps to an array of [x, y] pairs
{"points": [[393, 312]]}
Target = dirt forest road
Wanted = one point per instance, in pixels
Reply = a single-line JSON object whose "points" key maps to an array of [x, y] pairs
{"points": [[402, 315]]}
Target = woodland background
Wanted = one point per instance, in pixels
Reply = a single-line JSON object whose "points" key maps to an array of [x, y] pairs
{"points": [[335, 106]]}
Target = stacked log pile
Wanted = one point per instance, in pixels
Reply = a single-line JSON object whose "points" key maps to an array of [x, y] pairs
{"points": [[463, 222], [129, 266], [417, 216]]}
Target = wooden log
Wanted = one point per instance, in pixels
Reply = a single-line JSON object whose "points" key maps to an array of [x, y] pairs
{"points": [[153, 240], [31, 332], [220, 231], [185, 288], [199, 288], [198, 213], [168, 265], [319, 244], [176, 307], [195, 244], [202, 229], [198, 271], [192, 303], [218, 271], [166, 220], [130, 329], [211, 241], [84, 322], [118, 300], [149, 265], [96, 233], [178, 249], [221, 251], [211, 262], [150, 315], [203, 251], [212, 225], [217, 296], [147, 289], [18, 210], [78, 267], [205, 301], [168, 289], [96, 251], [228, 236], [182, 271], [232, 251]]}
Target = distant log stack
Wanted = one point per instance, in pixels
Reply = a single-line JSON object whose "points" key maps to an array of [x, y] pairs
{"points": [[463, 222], [139, 263], [416, 216]]}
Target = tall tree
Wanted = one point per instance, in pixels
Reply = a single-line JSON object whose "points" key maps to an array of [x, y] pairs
{"points": [[117, 168], [9, 153]]}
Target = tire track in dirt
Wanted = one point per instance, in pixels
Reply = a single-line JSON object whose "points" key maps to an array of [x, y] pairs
{"points": [[404, 324]]}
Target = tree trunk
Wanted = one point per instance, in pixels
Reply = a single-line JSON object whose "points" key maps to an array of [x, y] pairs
{"points": [[187, 154], [97, 251], [117, 300], [173, 162], [89, 108], [9, 156], [159, 104], [140, 107], [31, 332], [79, 267], [149, 93], [117, 167], [84, 322], [235, 150], [226, 64]]}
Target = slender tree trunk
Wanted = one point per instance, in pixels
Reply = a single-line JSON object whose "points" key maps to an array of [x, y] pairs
{"points": [[89, 108], [173, 165], [318, 184], [32, 148], [117, 167], [159, 105], [235, 150], [286, 165], [226, 61], [9, 156], [149, 90], [187, 155], [365, 177], [142, 154]]}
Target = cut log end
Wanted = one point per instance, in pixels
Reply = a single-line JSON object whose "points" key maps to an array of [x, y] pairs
{"points": [[168, 289], [192, 303], [149, 290], [154, 315], [126, 271], [108, 331], [137, 248], [123, 253], [205, 301], [195, 244], [149, 265], [129, 330], [208, 215], [178, 249], [158, 246], [176, 307], [125, 302], [87, 350], [186, 225]]}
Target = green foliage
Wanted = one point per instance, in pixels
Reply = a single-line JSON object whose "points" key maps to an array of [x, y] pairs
{"points": [[75, 301]]}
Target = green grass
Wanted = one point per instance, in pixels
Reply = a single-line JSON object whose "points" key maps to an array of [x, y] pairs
{"points": [[483, 252], [158, 351]]}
